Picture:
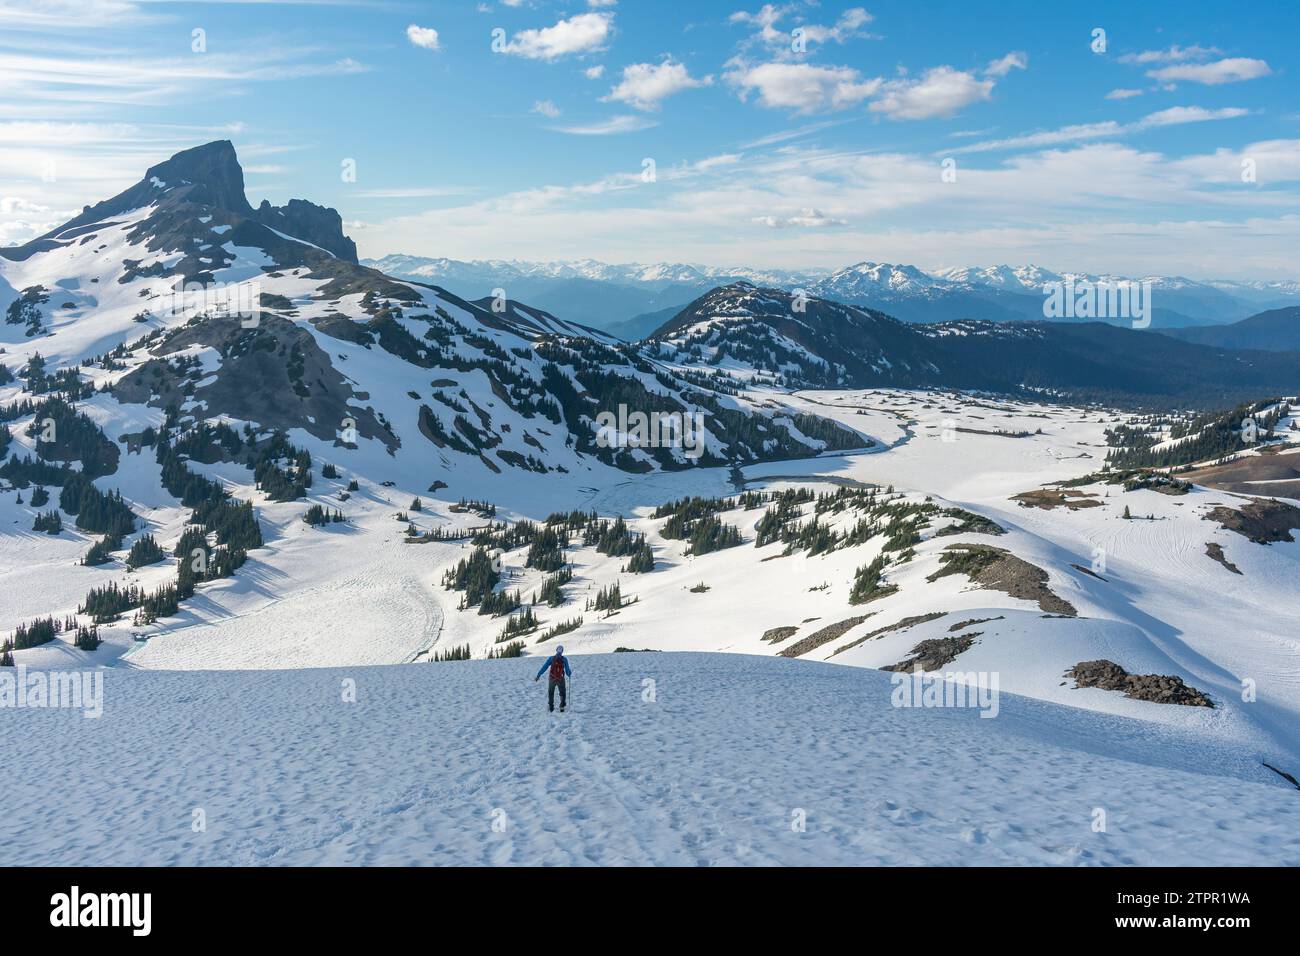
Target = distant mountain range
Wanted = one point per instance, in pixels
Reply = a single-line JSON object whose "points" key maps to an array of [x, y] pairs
{"points": [[632, 299], [1276, 330], [816, 342]]}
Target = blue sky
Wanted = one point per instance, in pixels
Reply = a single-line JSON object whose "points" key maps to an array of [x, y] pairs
{"points": [[797, 134]]}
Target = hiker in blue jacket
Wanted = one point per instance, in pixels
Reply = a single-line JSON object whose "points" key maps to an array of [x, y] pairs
{"points": [[558, 665]]}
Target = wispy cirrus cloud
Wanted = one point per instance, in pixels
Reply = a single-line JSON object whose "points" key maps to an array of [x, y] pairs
{"points": [[1093, 203], [1229, 70], [608, 127], [1107, 129], [1172, 54]]}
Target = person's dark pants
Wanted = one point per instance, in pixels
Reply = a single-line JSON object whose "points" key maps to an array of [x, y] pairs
{"points": [[551, 684]]}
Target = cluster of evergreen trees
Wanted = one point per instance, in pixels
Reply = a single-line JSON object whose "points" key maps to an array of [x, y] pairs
{"points": [[501, 602], [642, 560], [558, 630], [684, 514], [38, 632], [711, 534], [101, 551], [551, 593], [21, 472], [97, 512], [64, 434], [481, 507], [868, 582], [49, 522], [1202, 438], [108, 602], [143, 552], [460, 653], [614, 538], [475, 575], [317, 516], [525, 622], [87, 638], [546, 552], [607, 599]]}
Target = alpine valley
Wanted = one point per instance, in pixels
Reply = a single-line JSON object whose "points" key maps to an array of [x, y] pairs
{"points": [[242, 469]]}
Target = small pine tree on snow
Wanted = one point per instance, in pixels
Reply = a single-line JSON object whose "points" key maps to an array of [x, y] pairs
{"points": [[40, 497], [353, 486], [417, 505], [328, 471], [87, 638], [1128, 515], [6, 655]]}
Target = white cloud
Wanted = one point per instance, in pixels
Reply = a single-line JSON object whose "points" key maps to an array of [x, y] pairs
{"points": [[596, 4], [1175, 54], [1015, 60], [426, 37], [413, 192], [806, 219], [1107, 129], [64, 15], [1099, 207], [849, 26], [594, 72], [546, 108], [645, 85], [16, 205], [608, 127], [1230, 70], [1177, 115], [583, 33], [1123, 94], [803, 87], [941, 92], [140, 81]]}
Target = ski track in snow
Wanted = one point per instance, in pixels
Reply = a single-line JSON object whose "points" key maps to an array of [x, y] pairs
{"points": [[711, 773]]}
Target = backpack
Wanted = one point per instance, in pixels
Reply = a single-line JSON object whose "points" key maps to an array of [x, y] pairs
{"points": [[557, 668]]}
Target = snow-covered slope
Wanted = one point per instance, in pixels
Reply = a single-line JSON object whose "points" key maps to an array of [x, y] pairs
{"points": [[680, 759]]}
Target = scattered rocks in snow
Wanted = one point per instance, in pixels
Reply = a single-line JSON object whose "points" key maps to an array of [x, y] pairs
{"points": [[1157, 688], [777, 634], [902, 625], [828, 633], [1049, 498], [1215, 551], [1262, 520], [975, 620], [935, 653], [1000, 570]]}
